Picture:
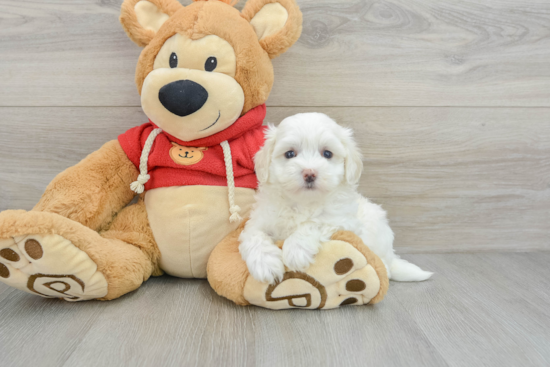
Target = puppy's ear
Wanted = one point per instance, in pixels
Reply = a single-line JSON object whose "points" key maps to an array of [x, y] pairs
{"points": [[262, 159], [353, 161], [277, 23], [141, 19]]}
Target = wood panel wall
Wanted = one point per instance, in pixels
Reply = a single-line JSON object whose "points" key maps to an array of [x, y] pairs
{"points": [[449, 100]]}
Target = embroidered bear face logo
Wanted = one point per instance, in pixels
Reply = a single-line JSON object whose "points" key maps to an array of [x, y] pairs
{"points": [[206, 64], [186, 156]]}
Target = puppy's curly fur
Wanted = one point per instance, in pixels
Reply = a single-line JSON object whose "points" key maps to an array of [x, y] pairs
{"points": [[308, 171]]}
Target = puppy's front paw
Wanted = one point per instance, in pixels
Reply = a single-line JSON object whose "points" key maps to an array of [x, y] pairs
{"points": [[299, 252], [265, 264]]}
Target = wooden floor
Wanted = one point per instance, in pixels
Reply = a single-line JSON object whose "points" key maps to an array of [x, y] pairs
{"points": [[478, 310]]}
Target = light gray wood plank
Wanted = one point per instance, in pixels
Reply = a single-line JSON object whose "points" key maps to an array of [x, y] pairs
{"points": [[471, 312], [452, 179], [169, 322], [380, 335], [42, 332], [467, 224], [4, 290], [527, 274], [474, 316], [351, 53], [175, 322], [447, 152]]}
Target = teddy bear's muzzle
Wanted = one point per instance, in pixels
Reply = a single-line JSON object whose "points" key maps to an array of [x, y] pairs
{"points": [[183, 97]]}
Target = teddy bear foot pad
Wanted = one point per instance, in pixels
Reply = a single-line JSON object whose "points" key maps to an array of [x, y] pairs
{"points": [[341, 275], [50, 266]]}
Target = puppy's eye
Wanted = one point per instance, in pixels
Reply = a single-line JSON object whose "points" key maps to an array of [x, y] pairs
{"points": [[173, 60], [290, 154], [210, 64], [327, 154]]}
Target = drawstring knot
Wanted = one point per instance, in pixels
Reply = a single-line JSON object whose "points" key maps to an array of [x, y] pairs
{"points": [[138, 186], [235, 217]]}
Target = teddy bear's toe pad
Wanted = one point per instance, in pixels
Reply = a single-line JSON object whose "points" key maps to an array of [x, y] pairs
{"points": [[50, 266], [339, 276]]}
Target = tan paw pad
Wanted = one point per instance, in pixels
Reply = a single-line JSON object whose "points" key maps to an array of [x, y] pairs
{"points": [[50, 266], [339, 276]]}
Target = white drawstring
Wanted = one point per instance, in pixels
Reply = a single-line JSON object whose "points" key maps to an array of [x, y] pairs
{"points": [[139, 185], [233, 209]]}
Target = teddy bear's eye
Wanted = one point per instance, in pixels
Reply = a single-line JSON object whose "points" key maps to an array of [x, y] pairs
{"points": [[173, 60], [210, 63]]}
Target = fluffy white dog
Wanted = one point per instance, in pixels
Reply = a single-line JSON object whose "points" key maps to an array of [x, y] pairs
{"points": [[308, 171]]}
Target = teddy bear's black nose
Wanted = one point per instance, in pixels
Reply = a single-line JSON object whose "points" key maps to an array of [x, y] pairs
{"points": [[183, 97]]}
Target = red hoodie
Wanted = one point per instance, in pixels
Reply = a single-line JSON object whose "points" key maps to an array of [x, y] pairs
{"points": [[173, 162]]}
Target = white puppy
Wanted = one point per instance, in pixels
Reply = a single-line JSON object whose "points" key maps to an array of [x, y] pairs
{"points": [[308, 171]]}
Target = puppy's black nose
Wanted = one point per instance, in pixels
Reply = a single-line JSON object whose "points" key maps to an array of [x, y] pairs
{"points": [[183, 97], [309, 175]]}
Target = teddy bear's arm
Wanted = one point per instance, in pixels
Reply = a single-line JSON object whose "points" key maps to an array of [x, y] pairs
{"points": [[94, 190]]}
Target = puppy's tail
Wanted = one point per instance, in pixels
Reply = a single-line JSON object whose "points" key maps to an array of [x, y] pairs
{"points": [[404, 271]]}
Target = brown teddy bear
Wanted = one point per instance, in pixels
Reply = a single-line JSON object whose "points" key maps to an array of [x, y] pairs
{"points": [[204, 76]]}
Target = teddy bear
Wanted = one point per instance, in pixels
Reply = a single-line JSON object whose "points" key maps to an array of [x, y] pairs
{"points": [[204, 76]]}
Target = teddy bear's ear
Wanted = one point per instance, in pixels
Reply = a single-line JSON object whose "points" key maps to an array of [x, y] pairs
{"points": [[262, 159], [141, 19], [277, 23]]}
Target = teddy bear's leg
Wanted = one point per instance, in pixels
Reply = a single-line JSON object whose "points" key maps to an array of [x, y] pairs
{"points": [[345, 272], [52, 256], [55, 249], [131, 234]]}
